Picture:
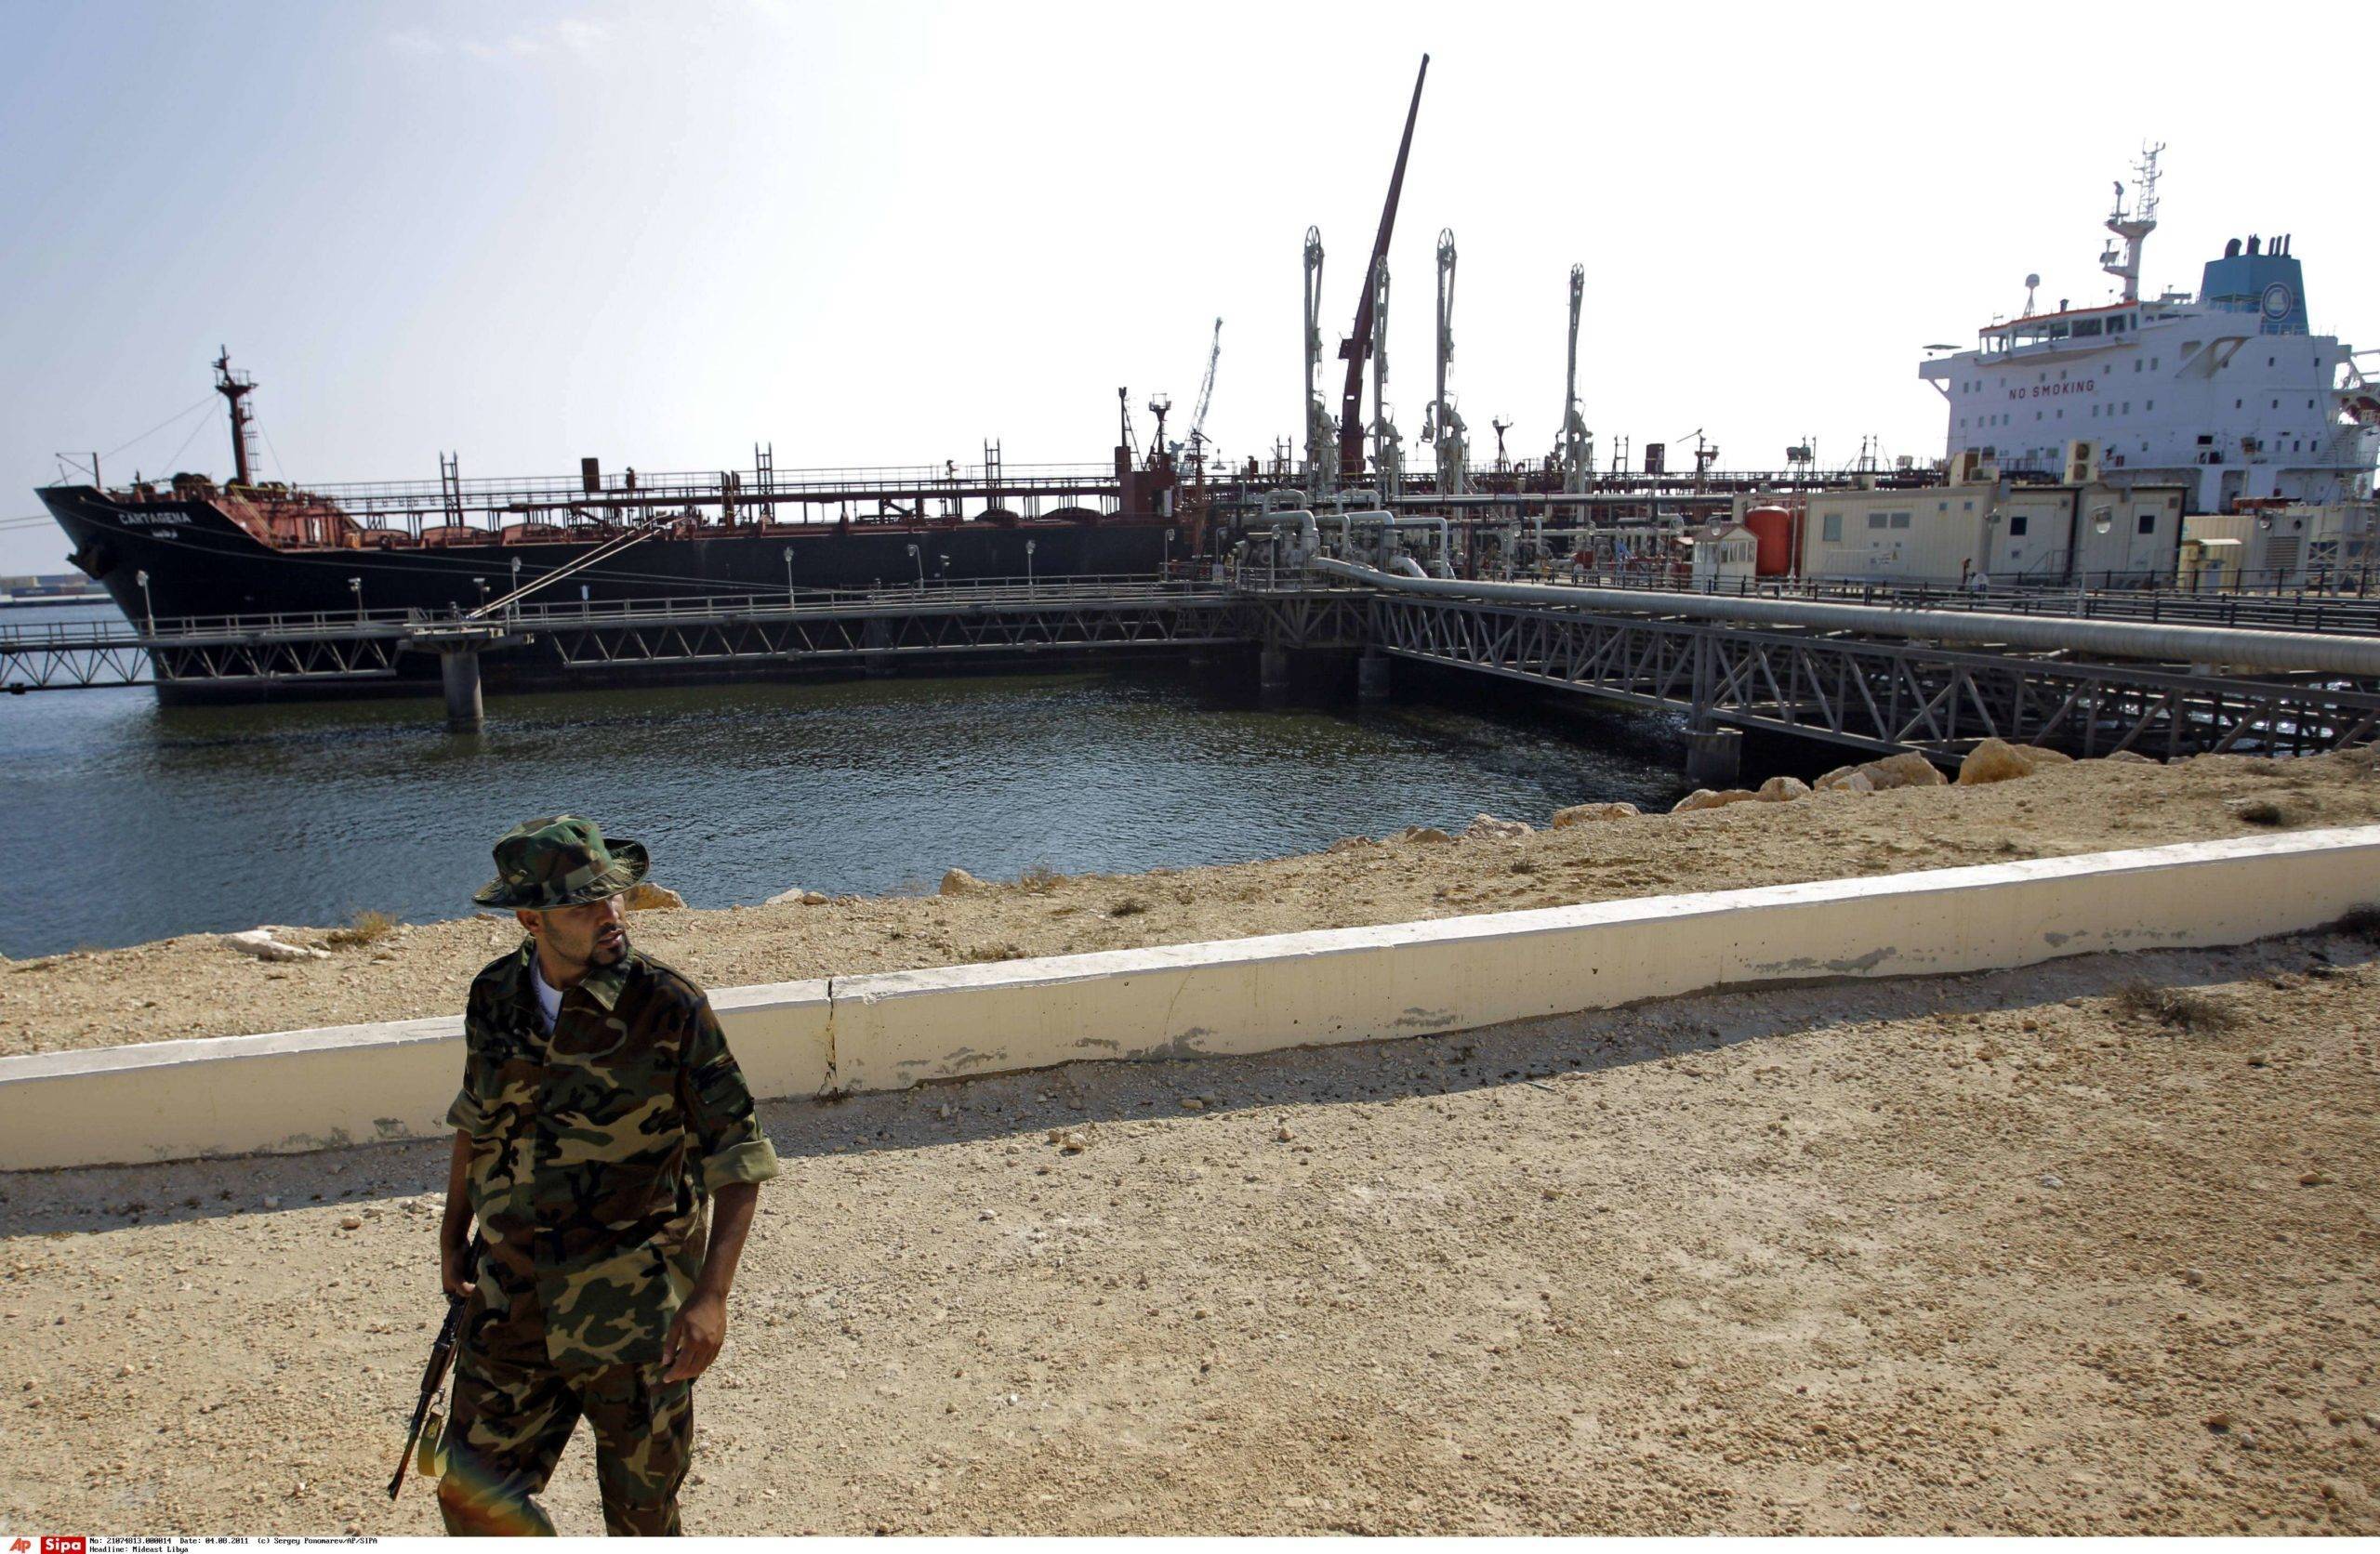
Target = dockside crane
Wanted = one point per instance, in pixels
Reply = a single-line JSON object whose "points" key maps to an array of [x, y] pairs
{"points": [[1196, 442], [1358, 343], [1320, 430], [1575, 451], [1388, 448], [1443, 427]]}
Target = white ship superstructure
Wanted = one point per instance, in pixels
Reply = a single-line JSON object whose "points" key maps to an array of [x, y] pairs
{"points": [[2229, 393]]}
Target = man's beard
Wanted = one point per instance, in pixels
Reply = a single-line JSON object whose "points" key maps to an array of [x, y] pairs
{"points": [[609, 952]]}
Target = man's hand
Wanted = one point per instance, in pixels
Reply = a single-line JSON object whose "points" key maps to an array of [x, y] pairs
{"points": [[454, 1269], [694, 1337]]}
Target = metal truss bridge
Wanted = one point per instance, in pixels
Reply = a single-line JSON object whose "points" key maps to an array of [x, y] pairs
{"points": [[878, 628], [1871, 691], [1881, 694]]}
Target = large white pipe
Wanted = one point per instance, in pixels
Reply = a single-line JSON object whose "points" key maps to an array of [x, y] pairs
{"points": [[2304, 651], [1380, 518], [1309, 540]]}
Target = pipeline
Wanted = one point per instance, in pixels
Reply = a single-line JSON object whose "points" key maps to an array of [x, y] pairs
{"points": [[2308, 652], [1381, 518]]}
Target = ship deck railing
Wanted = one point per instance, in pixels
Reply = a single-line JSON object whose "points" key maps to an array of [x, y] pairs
{"points": [[499, 496]]}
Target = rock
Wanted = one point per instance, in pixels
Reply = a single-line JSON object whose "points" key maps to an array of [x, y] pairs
{"points": [[1423, 833], [1704, 798], [959, 882], [271, 1201], [350, 1223], [786, 898], [1778, 790], [1351, 843], [1579, 814], [261, 944], [1072, 1140], [1907, 770], [1851, 779], [1192, 1103], [645, 896], [987, 1215], [2316, 1178], [1488, 828], [1996, 760], [1283, 1133], [2124, 758]]}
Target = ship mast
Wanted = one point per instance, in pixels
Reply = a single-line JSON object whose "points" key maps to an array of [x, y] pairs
{"points": [[236, 388], [2134, 229]]}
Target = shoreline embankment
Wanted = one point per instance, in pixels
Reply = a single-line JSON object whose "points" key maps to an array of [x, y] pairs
{"points": [[210, 984]]}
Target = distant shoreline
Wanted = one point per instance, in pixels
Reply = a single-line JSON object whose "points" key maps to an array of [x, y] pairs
{"points": [[10, 602]]}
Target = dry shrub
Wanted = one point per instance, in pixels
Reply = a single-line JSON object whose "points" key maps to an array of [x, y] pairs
{"points": [[365, 927], [980, 954], [2180, 1007], [1131, 906], [1040, 880], [2264, 811]]}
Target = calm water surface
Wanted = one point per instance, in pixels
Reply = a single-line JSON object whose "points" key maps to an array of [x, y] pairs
{"points": [[120, 820]]}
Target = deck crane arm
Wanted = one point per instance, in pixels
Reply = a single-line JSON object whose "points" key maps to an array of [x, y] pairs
{"points": [[1206, 392]]}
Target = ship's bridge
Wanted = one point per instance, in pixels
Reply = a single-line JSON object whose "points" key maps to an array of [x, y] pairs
{"points": [[2100, 325]]}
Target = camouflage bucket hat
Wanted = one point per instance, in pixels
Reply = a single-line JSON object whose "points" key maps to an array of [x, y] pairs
{"points": [[561, 860]]}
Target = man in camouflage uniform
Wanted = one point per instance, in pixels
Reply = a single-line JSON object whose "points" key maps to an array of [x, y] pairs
{"points": [[600, 1108]]}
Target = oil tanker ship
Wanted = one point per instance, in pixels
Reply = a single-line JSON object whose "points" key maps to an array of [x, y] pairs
{"points": [[188, 546]]}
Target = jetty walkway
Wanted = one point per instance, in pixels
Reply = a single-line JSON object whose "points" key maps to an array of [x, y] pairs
{"points": [[2159, 673]]}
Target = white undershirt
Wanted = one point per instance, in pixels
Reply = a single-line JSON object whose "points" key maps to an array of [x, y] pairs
{"points": [[548, 997]]}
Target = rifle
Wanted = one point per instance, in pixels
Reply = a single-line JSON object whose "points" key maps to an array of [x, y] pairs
{"points": [[433, 1376]]}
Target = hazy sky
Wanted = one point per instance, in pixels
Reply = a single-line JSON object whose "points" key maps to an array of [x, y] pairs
{"points": [[883, 233]]}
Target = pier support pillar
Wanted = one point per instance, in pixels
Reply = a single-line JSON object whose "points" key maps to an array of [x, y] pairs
{"points": [[1371, 676], [459, 668], [1272, 672], [877, 639], [1715, 759]]}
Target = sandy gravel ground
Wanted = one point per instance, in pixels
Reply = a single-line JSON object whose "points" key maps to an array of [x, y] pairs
{"points": [[2009, 1252], [194, 986]]}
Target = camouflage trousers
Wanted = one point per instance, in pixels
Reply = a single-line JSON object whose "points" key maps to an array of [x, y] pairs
{"points": [[513, 1414]]}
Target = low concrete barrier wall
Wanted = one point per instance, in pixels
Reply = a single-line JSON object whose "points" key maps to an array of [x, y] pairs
{"points": [[296, 1090], [311, 1090]]}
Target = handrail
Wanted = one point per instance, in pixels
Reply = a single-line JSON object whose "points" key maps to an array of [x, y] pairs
{"points": [[2280, 650], [765, 603]]}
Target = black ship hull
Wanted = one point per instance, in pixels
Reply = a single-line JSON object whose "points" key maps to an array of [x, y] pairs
{"points": [[169, 559]]}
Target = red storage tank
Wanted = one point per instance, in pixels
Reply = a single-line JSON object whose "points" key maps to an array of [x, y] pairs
{"points": [[1773, 527]]}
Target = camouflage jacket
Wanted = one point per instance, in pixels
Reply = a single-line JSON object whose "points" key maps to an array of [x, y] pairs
{"points": [[592, 1152]]}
